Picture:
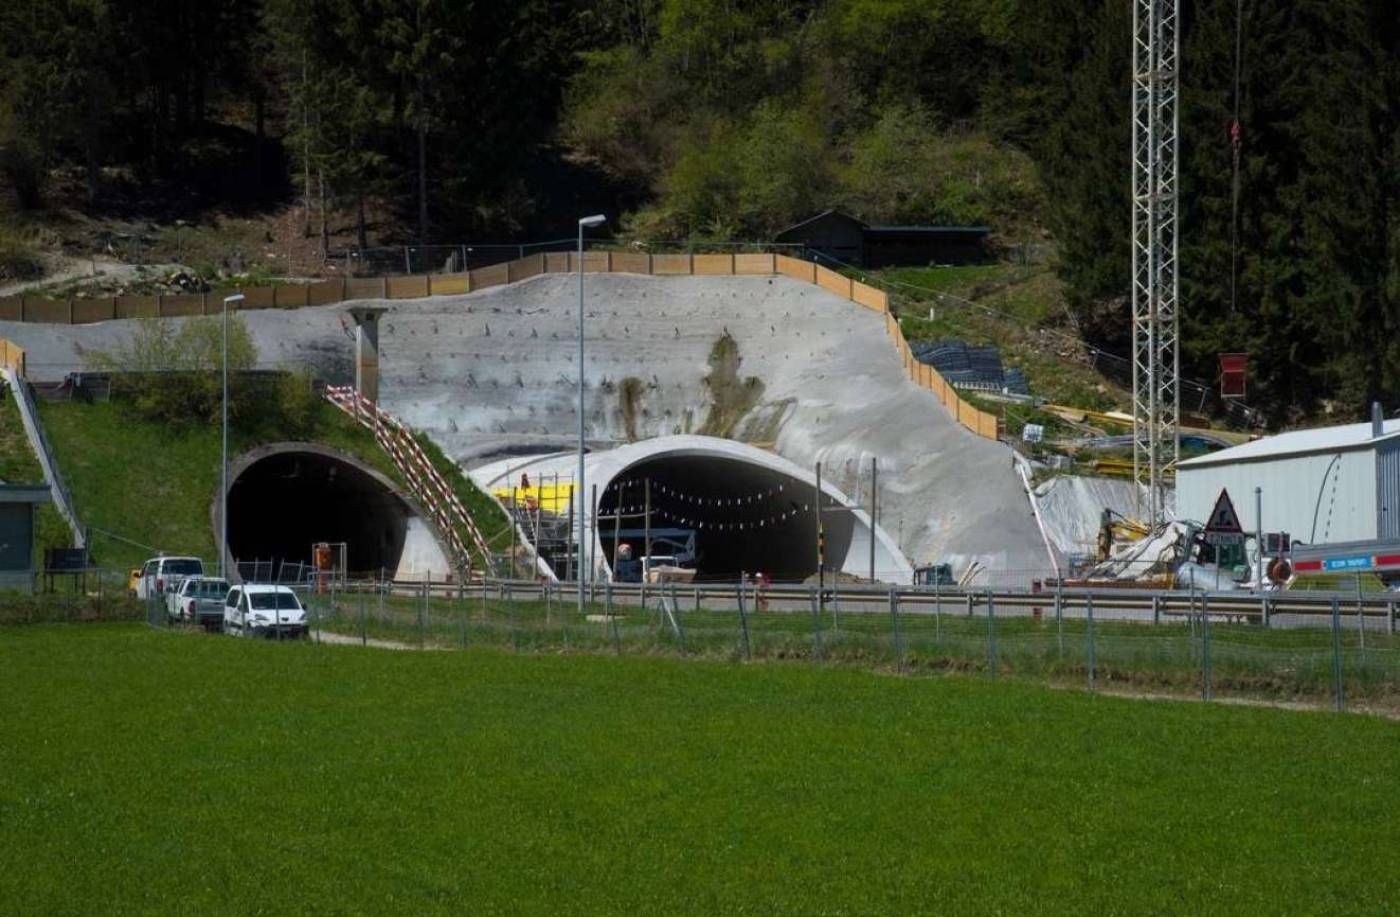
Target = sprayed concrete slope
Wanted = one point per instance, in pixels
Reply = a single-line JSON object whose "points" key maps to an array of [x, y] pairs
{"points": [[491, 374]]}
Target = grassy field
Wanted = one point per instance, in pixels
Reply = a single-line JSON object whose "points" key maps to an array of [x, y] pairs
{"points": [[153, 484], [198, 774]]}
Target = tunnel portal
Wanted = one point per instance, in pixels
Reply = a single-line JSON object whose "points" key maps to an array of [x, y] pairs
{"points": [[745, 517], [282, 504]]}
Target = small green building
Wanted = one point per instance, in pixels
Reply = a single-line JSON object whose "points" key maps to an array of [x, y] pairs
{"points": [[18, 503]]}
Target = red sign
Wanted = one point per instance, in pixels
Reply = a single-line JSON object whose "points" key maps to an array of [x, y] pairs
{"points": [[1233, 368], [1223, 519]]}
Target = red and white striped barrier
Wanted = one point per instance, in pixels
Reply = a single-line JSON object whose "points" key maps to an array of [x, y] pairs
{"points": [[424, 480]]}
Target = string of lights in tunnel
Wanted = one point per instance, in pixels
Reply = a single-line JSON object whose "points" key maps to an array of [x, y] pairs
{"points": [[663, 490], [697, 502], [703, 524]]}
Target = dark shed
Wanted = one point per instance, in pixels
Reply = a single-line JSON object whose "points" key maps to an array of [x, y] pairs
{"points": [[17, 503], [842, 237]]}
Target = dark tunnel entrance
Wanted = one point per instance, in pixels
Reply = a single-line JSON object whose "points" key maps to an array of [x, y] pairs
{"points": [[282, 504], [744, 517]]}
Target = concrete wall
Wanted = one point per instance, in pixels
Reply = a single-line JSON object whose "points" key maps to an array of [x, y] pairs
{"points": [[1293, 493], [494, 372]]}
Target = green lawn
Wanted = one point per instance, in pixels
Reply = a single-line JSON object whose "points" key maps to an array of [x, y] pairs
{"points": [[153, 772], [153, 484]]}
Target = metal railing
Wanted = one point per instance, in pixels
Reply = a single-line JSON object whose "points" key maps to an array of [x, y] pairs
{"points": [[424, 480]]}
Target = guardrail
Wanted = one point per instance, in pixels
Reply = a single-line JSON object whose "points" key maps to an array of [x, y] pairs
{"points": [[427, 485], [39, 442]]}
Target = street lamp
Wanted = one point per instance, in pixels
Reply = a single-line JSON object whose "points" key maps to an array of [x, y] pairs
{"points": [[235, 299], [580, 491]]}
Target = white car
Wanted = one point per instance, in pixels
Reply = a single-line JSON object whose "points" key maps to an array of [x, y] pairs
{"points": [[160, 575], [264, 611], [199, 600]]}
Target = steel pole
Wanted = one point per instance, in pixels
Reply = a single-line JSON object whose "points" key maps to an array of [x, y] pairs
{"points": [[874, 473], [821, 546], [223, 448], [223, 457], [1259, 537], [579, 486]]}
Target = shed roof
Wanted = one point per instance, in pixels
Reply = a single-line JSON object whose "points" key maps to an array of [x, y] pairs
{"points": [[1298, 442], [867, 227], [24, 493], [846, 217], [933, 230]]}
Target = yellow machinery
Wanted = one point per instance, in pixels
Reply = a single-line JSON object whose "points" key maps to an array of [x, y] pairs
{"points": [[548, 497]]}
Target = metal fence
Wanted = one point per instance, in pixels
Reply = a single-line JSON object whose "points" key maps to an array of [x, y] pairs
{"points": [[1314, 648], [182, 246], [1336, 648]]}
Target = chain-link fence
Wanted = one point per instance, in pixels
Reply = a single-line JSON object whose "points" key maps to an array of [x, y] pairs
{"points": [[87, 595], [1337, 647], [1196, 643], [188, 246]]}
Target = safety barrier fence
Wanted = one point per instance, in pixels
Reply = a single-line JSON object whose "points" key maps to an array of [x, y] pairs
{"points": [[39, 442], [1313, 647], [1207, 645], [424, 480], [731, 263]]}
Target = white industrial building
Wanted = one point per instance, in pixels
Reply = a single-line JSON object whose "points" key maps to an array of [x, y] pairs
{"points": [[1323, 486]]}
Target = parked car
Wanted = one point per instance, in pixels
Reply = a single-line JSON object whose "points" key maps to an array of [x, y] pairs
{"points": [[199, 600], [160, 575], [264, 611]]}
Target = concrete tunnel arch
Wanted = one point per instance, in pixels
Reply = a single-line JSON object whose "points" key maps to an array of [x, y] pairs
{"points": [[751, 509], [285, 497]]}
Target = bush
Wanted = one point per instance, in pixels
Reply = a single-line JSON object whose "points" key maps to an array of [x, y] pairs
{"points": [[18, 261], [172, 371]]}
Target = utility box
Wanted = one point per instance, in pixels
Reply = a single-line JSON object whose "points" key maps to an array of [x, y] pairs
{"points": [[17, 507], [367, 350]]}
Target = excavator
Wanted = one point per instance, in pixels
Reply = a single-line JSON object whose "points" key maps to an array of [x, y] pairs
{"points": [[1115, 527]]}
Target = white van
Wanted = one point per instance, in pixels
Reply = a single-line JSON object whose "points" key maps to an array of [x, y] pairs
{"points": [[264, 611], [160, 575]]}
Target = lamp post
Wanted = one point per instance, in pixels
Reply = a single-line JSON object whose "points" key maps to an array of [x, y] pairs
{"points": [[235, 299], [584, 222]]}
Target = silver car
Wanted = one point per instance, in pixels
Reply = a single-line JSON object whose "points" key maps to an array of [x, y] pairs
{"points": [[199, 600]]}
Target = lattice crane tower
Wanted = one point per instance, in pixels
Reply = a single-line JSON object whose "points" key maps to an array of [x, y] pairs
{"points": [[1156, 357]]}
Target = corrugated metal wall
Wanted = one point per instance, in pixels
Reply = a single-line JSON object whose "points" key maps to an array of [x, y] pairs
{"points": [[1346, 511], [1388, 490]]}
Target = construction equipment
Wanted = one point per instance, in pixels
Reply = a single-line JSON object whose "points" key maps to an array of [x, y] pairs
{"points": [[1115, 527], [933, 575]]}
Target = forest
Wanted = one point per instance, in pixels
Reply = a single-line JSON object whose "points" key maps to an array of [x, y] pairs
{"points": [[718, 120]]}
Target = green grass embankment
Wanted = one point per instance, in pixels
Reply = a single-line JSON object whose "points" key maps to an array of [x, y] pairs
{"points": [[153, 483], [203, 774]]}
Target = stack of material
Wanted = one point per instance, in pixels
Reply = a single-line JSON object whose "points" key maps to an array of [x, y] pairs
{"points": [[1155, 557], [967, 366]]}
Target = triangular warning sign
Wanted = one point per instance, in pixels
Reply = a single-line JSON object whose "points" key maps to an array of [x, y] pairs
{"points": [[1223, 519]]}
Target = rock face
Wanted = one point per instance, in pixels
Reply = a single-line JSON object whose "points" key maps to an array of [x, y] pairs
{"points": [[766, 360]]}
